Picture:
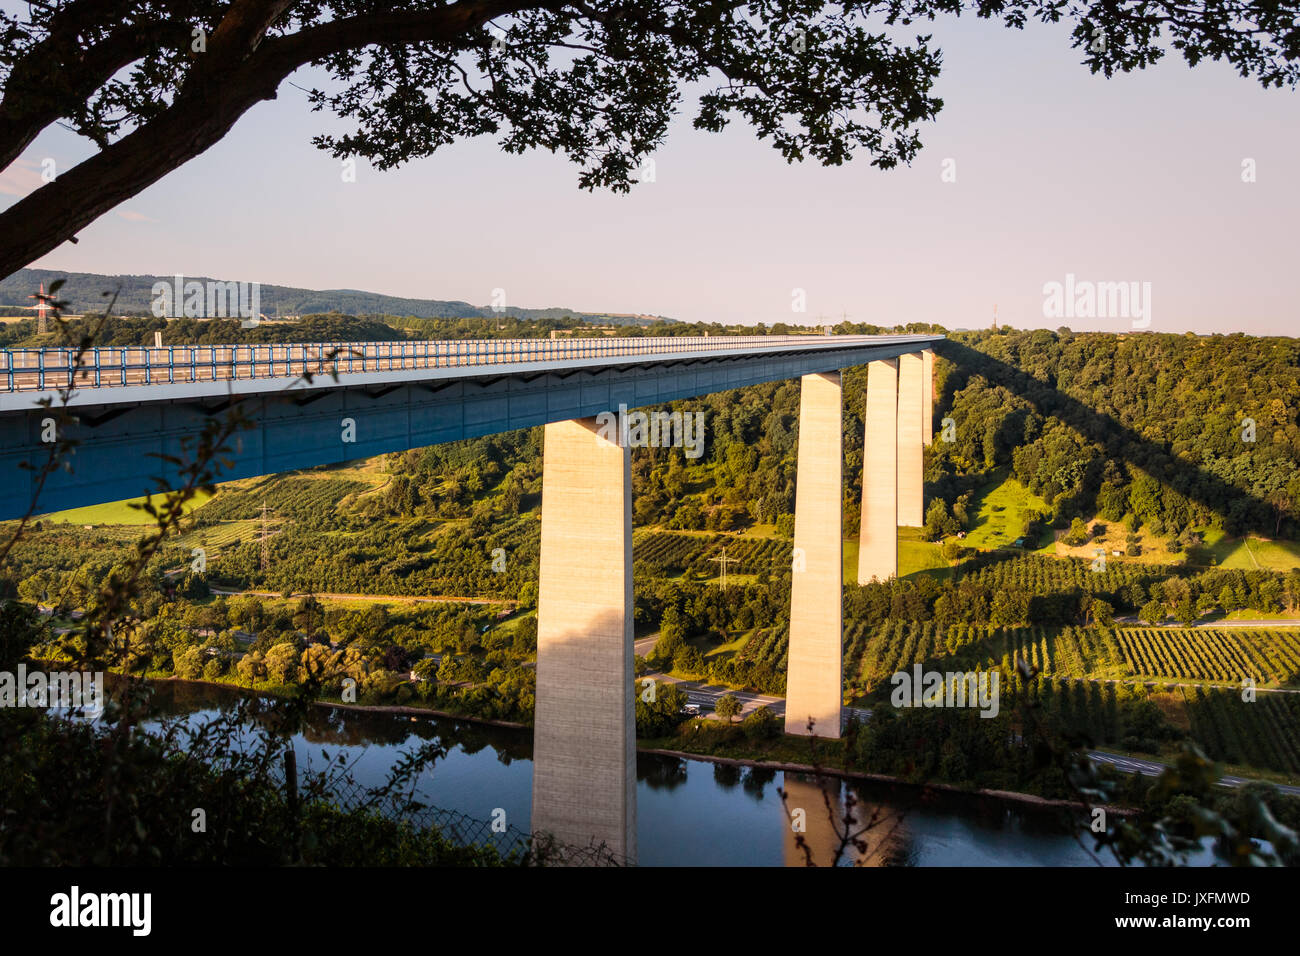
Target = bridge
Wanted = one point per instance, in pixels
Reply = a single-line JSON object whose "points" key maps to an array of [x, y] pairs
{"points": [[323, 403]]}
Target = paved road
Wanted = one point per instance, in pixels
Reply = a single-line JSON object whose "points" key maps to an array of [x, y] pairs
{"points": [[1152, 768], [384, 598], [707, 695], [1130, 621], [1170, 682], [642, 646]]}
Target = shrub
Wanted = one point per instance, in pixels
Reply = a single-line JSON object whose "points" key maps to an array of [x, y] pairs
{"points": [[762, 724], [1078, 533], [1153, 612]]}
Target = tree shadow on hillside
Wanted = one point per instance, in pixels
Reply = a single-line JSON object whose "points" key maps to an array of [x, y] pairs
{"points": [[1119, 441]]}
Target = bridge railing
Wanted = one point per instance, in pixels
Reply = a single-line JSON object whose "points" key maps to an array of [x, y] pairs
{"points": [[52, 368]]}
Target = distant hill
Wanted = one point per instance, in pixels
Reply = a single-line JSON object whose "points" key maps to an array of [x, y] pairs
{"points": [[84, 292]]}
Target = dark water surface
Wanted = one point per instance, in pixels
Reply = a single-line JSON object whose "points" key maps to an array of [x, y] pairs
{"points": [[689, 812]]}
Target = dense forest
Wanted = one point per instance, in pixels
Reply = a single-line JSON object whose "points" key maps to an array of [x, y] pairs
{"points": [[1175, 439], [1178, 431], [1157, 446]]}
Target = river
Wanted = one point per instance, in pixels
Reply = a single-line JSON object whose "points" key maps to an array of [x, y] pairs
{"points": [[690, 812]]}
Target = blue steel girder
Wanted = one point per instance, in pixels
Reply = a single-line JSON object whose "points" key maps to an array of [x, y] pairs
{"points": [[120, 432]]}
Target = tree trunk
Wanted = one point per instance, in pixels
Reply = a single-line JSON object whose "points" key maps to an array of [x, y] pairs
{"points": [[207, 106], [39, 222]]}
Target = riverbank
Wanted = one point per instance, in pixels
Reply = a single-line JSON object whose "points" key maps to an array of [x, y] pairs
{"points": [[403, 710], [1030, 800], [283, 692], [690, 810], [1023, 800]]}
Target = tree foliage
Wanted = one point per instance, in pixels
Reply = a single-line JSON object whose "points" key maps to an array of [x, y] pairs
{"points": [[154, 83]]}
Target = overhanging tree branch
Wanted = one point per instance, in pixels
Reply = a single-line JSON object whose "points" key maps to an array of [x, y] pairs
{"points": [[56, 76], [202, 114], [606, 104]]}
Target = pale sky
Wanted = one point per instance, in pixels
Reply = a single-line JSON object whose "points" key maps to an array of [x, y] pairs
{"points": [[1133, 179]]}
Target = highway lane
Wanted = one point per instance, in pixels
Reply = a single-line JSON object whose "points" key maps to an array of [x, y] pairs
{"points": [[1131, 620], [642, 646], [707, 695], [1153, 768]]}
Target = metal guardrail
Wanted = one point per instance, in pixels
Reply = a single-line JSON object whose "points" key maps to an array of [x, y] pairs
{"points": [[53, 368]]}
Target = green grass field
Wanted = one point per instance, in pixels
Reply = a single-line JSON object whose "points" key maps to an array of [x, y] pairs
{"points": [[1250, 614], [914, 556], [369, 471], [115, 512], [1248, 554], [1245, 554], [1154, 550], [760, 531], [706, 644], [733, 578], [996, 522]]}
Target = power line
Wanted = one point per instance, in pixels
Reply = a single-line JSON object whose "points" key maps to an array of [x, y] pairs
{"points": [[266, 548], [724, 561]]}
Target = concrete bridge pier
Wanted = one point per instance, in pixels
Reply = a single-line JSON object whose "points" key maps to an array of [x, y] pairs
{"points": [[878, 537], [927, 397], [911, 442], [814, 674], [807, 820], [584, 736]]}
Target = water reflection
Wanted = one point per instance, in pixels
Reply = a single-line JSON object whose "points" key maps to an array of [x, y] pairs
{"points": [[689, 812], [666, 773]]}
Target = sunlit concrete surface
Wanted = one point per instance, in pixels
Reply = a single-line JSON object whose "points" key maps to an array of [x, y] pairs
{"points": [[878, 539], [911, 447], [814, 680], [927, 398], [584, 733]]}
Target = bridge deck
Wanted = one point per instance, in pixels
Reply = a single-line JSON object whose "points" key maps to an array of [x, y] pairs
{"points": [[136, 410], [49, 369]]}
